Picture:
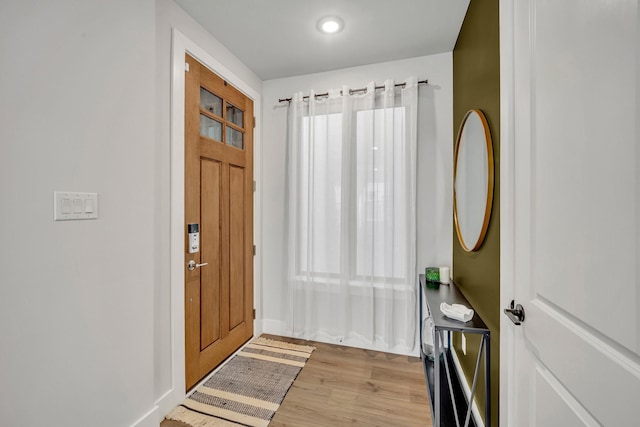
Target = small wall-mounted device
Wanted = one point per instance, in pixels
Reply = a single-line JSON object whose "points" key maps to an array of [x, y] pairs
{"points": [[194, 238]]}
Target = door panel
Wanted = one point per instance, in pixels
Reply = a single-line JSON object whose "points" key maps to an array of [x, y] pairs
{"points": [[554, 404], [211, 174], [218, 197], [583, 130], [586, 366], [237, 246], [576, 358]]}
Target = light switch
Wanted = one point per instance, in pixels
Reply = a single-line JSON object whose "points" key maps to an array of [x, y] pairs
{"points": [[73, 206], [66, 206]]}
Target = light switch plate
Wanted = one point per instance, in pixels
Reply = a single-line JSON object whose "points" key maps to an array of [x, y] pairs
{"points": [[68, 206]]}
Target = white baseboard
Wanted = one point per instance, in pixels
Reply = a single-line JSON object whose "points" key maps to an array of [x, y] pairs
{"points": [[467, 390], [150, 419], [169, 400], [274, 327]]}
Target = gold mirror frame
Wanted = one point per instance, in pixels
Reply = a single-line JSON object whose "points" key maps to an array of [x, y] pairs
{"points": [[474, 246]]}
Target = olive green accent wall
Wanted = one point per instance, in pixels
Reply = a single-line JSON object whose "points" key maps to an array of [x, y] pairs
{"points": [[476, 85]]}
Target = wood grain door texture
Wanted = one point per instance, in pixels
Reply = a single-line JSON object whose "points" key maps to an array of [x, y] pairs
{"points": [[219, 197]]}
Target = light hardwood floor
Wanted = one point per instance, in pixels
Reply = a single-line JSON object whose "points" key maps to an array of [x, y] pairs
{"points": [[347, 386]]}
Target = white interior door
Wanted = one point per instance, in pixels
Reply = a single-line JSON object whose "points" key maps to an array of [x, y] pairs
{"points": [[570, 212]]}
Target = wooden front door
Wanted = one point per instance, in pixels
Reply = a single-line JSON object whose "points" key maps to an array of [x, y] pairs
{"points": [[219, 198]]}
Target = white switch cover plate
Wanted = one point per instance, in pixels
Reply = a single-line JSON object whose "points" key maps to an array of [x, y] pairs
{"points": [[68, 206]]}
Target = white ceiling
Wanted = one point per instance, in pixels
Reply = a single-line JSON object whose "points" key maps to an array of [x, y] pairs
{"points": [[278, 38]]}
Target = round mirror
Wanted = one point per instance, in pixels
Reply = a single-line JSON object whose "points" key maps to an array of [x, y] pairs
{"points": [[473, 180]]}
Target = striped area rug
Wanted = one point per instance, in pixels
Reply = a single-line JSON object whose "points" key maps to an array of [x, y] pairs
{"points": [[248, 389]]}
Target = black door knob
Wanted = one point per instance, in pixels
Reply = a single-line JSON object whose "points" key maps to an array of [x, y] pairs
{"points": [[515, 314]]}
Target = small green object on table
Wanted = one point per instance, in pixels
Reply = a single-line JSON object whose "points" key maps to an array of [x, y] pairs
{"points": [[432, 275]]}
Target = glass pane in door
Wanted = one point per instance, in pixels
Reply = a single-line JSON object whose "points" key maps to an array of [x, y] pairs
{"points": [[235, 115], [210, 102], [210, 128], [235, 138]]}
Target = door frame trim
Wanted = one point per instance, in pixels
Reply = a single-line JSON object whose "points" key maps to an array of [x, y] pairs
{"points": [[507, 209], [181, 45]]}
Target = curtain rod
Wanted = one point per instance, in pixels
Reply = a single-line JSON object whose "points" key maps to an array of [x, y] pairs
{"points": [[352, 91]]}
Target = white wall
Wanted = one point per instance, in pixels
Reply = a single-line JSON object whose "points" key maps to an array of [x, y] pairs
{"points": [[435, 163], [170, 16], [76, 298]]}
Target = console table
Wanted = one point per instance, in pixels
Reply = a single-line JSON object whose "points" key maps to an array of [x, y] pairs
{"points": [[444, 410]]}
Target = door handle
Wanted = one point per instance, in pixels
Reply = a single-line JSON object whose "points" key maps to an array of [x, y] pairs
{"points": [[515, 314], [191, 265]]}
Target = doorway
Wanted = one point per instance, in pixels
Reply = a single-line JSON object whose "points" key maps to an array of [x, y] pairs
{"points": [[218, 189]]}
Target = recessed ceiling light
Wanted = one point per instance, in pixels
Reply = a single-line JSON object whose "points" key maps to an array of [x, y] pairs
{"points": [[330, 25]]}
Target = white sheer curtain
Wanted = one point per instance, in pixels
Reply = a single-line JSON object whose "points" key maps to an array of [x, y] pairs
{"points": [[351, 217]]}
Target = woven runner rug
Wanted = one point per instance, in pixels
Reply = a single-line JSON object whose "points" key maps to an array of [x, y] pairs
{"points": [[248, 389]]}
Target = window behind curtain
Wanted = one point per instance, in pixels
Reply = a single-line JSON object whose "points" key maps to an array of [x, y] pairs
{"points": [[378, 216]]}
